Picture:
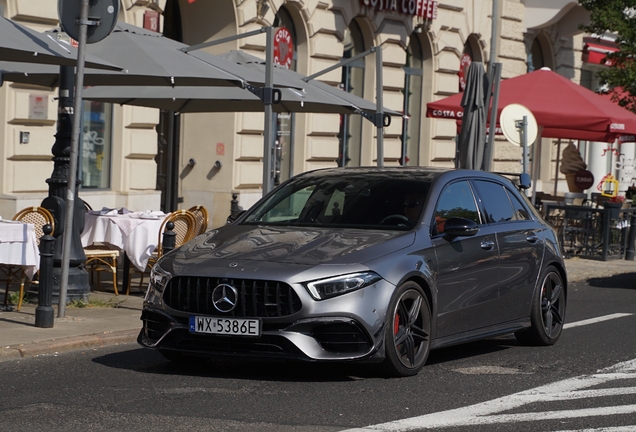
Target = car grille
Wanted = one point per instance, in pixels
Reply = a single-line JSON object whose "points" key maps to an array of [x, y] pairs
{"points": [[256, 298]]}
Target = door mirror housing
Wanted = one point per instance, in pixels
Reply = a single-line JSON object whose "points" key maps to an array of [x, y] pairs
{"points": [[459, 227]]}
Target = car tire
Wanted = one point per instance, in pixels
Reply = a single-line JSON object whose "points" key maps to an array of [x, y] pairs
{"points": [[548, 311], [408, 329]]}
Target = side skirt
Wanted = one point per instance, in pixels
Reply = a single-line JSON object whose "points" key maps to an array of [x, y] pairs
{"points": [[483, 333]]}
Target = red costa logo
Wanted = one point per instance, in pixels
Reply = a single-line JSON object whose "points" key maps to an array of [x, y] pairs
{"points": [[283, 48], [464, 64]]}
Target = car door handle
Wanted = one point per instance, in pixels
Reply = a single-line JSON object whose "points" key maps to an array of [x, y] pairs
{"points": [[532, 238], [487, 244]]}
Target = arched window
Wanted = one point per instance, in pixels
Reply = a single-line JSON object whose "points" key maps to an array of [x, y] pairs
{"points": [[535, 58], [412, 104], [283, 159], [350, 135]]}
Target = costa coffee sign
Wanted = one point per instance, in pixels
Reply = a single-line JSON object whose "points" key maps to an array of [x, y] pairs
{"points": [[421, 8], [283, 48], [464, 64]]}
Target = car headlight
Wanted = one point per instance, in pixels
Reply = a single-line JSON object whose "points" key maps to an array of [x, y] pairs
{"points": [[158, 280], [338, 285]]}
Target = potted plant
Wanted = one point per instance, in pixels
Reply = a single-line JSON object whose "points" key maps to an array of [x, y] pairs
{"points": [[614, 204]]}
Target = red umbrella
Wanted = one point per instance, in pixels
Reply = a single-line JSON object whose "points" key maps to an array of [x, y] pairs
{"points": [[564, 109]]}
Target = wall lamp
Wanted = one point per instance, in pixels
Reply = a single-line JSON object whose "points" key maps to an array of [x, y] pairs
{"points": [[261, 8]]}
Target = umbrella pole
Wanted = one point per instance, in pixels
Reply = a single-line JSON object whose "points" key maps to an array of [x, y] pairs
{"points": [[269, 111], [536, 153], [556, 174], [494, 87], [379, 116]]}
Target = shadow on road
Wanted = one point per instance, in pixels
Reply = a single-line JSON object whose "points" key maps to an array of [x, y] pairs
{"points": [[473, 349], [624, 281], [151, 362]]}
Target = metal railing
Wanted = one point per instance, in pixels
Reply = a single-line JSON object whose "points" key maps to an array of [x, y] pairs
{"points": [[591, 232]]}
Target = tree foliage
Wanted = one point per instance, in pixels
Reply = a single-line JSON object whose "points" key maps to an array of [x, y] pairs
{"points": [[617, 17]]}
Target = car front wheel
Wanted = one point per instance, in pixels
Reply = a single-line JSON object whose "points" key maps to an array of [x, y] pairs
{"points": [[408, 330], [548, 311]]}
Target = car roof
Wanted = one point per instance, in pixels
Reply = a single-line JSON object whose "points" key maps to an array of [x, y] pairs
{"points": [[410, 172]]}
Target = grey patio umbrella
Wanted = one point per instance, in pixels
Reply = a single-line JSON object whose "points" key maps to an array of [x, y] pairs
{"points": [[295, 79], [21, 44], [228, 99], [148, 59], [472, 136]]}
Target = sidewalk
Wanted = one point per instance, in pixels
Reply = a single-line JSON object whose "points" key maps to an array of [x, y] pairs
{"points": [[85, 327], [91, 327]]}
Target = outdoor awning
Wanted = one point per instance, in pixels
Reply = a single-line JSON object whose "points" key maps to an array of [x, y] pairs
{"points": [[595, 53], [564, 109]]}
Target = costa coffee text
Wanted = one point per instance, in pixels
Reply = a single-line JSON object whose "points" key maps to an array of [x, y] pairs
{"points": [[420, 8]]}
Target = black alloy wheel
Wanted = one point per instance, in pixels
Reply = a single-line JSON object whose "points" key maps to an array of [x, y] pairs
{"points": [[548, 311], [407, 336]]}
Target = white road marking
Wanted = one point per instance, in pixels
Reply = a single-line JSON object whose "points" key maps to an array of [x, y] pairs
{"points": [[607, 429], [487, 412], [596, 320]]}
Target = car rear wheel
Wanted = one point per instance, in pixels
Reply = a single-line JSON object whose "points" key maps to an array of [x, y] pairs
{"points": [[548, 311], [408, 330]]}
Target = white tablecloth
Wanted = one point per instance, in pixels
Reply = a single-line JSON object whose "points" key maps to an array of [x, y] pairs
{"points": [[131, 233], [19, 246]]}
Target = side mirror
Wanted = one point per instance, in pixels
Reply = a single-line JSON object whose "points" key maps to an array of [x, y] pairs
{"points": [[234, 216], [525, 181], [459, 227]]}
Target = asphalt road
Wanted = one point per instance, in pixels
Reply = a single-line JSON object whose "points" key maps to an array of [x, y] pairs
{"points": [[586, 381]]}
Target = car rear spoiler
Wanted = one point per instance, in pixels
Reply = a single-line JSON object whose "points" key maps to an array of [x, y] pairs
{"points": [[521, 180]]}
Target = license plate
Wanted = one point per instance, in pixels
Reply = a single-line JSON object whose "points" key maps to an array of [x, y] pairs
{"points": [[226, 326]]}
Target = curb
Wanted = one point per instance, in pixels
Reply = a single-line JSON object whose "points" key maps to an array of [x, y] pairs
{"points": [[13, 352]]}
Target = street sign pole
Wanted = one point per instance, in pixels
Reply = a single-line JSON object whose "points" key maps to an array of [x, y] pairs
{"points": [[103, 15], [72, 175]]}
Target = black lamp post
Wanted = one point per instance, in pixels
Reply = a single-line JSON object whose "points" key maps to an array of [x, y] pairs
{"points": [[78, 286]]}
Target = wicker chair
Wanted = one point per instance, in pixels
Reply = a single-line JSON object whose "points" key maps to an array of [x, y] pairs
{"points": [[101, 257], [200, 214], [38, 216], [185, 230]]}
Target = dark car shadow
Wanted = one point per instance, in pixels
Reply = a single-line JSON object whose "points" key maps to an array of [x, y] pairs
{"points": [[623, 281], [151, 362], [472, 349]]}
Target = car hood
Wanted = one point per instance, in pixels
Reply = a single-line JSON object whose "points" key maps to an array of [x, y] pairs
{"points": [[287, 246]]}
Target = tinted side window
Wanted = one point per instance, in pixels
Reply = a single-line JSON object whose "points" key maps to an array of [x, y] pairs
{"points": [[521, 213], [495, 200], [456, 200]]}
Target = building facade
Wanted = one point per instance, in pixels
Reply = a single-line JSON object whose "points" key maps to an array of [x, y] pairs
{"points": [[142, 158]]}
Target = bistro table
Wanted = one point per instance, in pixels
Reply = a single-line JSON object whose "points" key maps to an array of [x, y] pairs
{"points": [[19, 246], [135, 233]]}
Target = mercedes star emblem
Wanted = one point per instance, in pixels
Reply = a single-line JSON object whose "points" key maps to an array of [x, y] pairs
{"points": [[224, 297]]}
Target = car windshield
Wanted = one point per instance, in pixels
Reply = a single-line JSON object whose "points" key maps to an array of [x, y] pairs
{"points": [[357, 201]]}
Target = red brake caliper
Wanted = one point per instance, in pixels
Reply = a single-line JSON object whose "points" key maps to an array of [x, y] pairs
{"points": [[396, 324]]}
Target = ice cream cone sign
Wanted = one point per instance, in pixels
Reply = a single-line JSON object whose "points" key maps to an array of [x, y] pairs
{"points": [[574, 168], [608, 186]]}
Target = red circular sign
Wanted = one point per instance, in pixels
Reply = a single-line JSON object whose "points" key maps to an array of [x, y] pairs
{"points": [[464, 64], [283, 48]]}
